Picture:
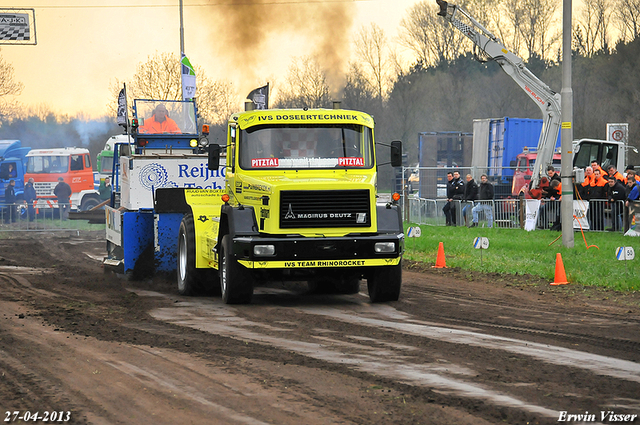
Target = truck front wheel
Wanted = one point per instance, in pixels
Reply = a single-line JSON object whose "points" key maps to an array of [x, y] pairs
{"points": [[235, 280], [89, 203], [384, 283]]}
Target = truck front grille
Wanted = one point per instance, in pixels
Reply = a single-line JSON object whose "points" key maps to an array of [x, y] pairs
{"points": [[324, 208], [44, 188]]}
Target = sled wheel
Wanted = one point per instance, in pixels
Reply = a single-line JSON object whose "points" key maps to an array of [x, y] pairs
{"points": [[187, 273]]}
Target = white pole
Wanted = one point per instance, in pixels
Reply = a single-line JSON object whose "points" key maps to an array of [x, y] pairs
{"points": [[566, 172]]}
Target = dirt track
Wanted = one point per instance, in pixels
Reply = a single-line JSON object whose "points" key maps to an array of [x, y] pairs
{"points": [[456, 348]]}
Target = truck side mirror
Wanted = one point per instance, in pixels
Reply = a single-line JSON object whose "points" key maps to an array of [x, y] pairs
{"points": [[396, 153], [214, 157]]}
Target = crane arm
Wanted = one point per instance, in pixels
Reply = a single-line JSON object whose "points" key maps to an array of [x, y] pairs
{"points": [[547, 100]]}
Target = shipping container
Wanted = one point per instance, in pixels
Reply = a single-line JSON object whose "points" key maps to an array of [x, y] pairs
{"points": [[497, 142]]}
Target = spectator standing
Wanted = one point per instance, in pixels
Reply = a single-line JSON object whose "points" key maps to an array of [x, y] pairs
{"points": [[616, 195], [63, 193], [597, 195], [105, 189], [447, 207], [10, 199], [633, 189], [457, 196], [553, 174], [470, 195], [583, 190], [30, 197], [551, 209], [613, 172], [631, 168], [596, 166], [485, 199]]}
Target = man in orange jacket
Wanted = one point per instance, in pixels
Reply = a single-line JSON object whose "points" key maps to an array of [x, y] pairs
{"points": [[597, 197], [632, 168], [613, 172], [160, 123], [586, 184], [596, 166]]}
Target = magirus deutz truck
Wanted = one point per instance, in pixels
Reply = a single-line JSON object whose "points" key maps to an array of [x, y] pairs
{"points": [[298, 202]]}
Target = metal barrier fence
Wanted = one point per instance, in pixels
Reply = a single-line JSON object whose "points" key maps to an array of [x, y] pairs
{"points": [[16, 218], [511, 213], [431, 182]]}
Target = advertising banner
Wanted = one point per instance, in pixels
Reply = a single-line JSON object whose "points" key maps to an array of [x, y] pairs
{"points": [[146, 174]]}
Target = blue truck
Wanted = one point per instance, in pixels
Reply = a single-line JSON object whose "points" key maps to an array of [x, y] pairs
{"points": [[13, 164]]}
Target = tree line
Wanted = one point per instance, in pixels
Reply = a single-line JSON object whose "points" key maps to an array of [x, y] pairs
{"points": [[442, 87]]}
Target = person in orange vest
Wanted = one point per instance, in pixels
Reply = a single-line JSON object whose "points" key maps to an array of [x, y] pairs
{"points": [[613, 172], [597, 197], [632, 168], [583, 190], [596, 166], [159, 122]]}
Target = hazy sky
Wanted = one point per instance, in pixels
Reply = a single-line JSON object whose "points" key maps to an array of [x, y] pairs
{"points": [[84, 45]]}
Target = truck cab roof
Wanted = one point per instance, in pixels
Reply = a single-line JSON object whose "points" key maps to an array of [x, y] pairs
{"points": [[58, 152], [6, 146]]}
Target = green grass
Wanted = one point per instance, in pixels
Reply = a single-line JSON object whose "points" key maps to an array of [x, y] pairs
{"points": [[515, 251]]}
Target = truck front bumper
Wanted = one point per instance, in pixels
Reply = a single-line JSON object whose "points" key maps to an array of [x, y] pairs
{"points": [[304, 252]]}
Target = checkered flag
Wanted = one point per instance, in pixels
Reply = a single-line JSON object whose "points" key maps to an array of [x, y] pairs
{"points": [[14, 27], [260, 97]]}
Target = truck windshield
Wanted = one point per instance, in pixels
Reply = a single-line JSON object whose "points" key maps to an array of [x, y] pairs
{"points": [[165, 117], [105, 164], [306, 146], [48, 164]]}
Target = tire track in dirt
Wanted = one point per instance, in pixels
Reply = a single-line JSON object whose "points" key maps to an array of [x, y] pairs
{"points": [[219, 319]]}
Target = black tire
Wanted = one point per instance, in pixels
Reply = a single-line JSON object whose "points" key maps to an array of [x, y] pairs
{"points": [[89, 203], [236, 283], [191, 280], [186, 272], [384, 283]]}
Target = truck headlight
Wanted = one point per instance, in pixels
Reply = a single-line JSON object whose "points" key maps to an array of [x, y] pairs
{"points": [[264, 250], [382, 247]]}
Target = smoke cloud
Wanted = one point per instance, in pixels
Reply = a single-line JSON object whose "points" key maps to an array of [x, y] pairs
{"points": [[243, 32]]}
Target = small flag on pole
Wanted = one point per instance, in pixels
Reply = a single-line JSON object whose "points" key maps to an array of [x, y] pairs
{"points": [[260, 97], [188, 79], [121, 116]]}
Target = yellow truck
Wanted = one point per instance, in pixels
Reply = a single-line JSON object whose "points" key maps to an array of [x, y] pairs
{"points": [[300, 203]]}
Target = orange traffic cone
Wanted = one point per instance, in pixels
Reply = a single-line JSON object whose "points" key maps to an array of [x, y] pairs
{"points": [[561, 277], [441, 263]]}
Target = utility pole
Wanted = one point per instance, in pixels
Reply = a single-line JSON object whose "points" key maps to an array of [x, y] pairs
{"points": [[181, 32], [566, 132]]}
